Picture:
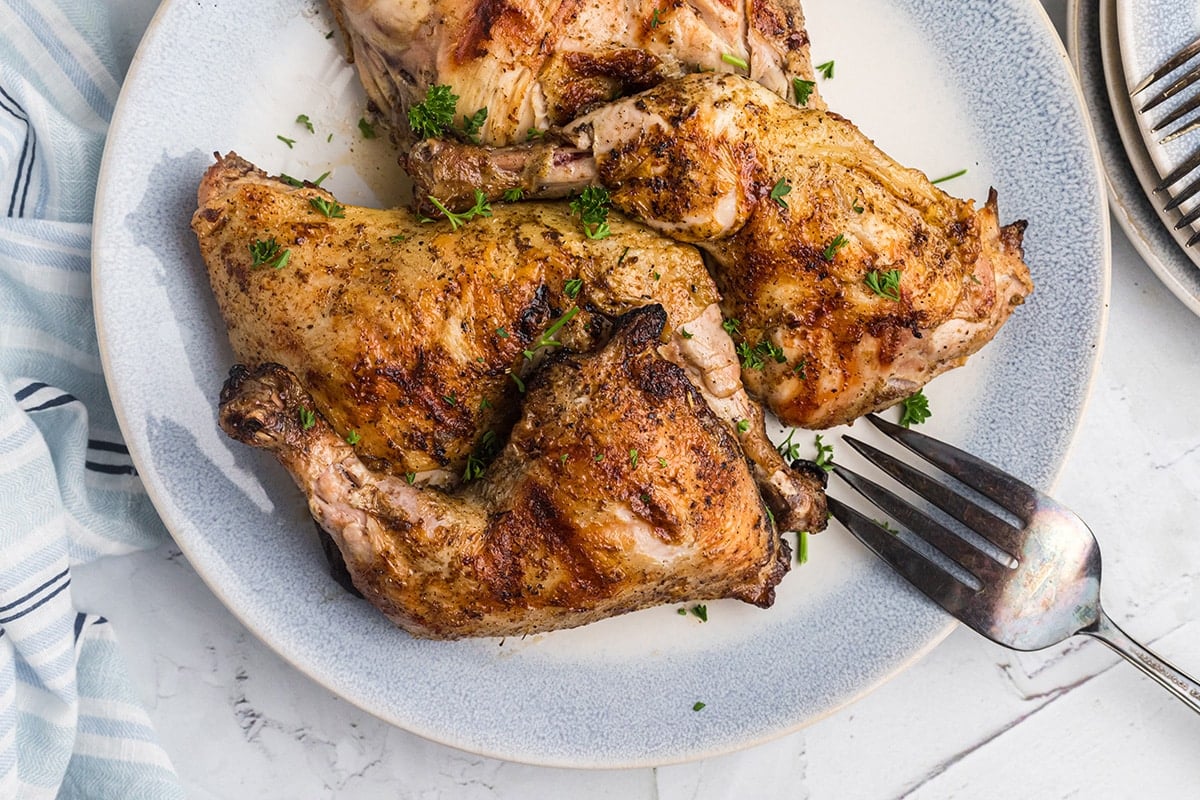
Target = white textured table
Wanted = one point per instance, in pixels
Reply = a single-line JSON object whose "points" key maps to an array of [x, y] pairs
{"points": [[969, 720]]}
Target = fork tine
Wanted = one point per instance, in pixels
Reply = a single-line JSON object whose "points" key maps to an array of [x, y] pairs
{"points": [[1179, 113], [978, 519], [1187, 128], [1172, 64], [1188, 218], [934, 582], [1175, 88], [1179, 172], [970, 558], [1185, 194], [1001, 488]]}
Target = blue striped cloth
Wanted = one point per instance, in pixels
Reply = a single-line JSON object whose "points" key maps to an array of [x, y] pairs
{"points": [[70, 722]]}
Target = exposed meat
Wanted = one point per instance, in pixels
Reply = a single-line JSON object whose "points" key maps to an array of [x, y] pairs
{"points": [[618, 489], [853, 279], [533, 65], [415, 339]]}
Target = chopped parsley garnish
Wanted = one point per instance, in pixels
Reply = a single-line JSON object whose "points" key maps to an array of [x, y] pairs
{"points": [[572, 287], [503, 334], [474, 123], [330, 208], [633, 458], [735, 61], [802, 547], [432, 116], [592, 206], [411, 477], [825, 69], [832, 248], [534, 133], [352, 438], [397, 238], [268, 253], [478, 460], [799, 369], [514, 194], [286, 140], [482, 208], [699, 612], [743, 425], [915, 409], [697, 706], [547, 338], [517, 380], [755, 357], [654, 19], [950, 177], [824, 458], [307, 418], [306, 122], [732, 326], [857, 208], [662, 462], [781, 188], [788, 449], [321, 179], [685, 334], [886, 285], [366, 128], [803, 90]]}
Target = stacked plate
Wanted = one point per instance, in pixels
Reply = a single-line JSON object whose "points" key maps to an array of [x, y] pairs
{"points": [[1115, 45]]}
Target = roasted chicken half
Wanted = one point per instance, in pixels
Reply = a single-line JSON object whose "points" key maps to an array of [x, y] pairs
{"points": [[533, 65], [415, 339], [848, 280], [618, 489]]}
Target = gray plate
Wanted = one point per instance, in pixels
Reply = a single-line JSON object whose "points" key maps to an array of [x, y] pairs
{"points": [[230, 75]]}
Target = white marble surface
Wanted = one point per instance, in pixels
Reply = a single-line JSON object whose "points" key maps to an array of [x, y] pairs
{"points": [[969, 720]]}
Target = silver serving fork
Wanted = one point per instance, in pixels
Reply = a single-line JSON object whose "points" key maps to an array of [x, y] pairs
{"points": [[1185, 79], [1039, 585]]}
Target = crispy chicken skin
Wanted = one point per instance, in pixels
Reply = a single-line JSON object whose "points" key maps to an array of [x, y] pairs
{"points": [[534, 65], [414, 339], [800, 214], [617, 490]]}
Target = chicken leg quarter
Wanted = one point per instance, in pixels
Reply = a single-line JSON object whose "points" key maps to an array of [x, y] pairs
{"points": [[849, 280], [617, 490]]}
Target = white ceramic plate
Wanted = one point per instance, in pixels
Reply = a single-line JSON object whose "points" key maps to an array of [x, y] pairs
{"points": [[1092, 32], [230, 75], [1150, 32]]}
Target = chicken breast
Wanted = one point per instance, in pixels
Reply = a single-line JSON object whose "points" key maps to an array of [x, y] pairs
{"points": [[534, 65], [617, 490]]}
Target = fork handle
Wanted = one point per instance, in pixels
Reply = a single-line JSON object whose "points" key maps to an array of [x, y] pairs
{"points": [[1171, 678]]}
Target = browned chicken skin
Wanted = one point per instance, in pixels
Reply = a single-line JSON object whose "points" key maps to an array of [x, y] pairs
{"points": [[802, 215], [617, 490], [415, 339], [536, 64]]}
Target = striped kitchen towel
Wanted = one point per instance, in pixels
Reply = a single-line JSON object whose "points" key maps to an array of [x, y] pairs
{"points": [[70, 723]]}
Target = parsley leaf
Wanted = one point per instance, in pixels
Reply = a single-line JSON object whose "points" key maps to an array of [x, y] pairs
{"points": [[949, 177], [307, 418], [514, 194], [368, 130], [432, 116], [803, 90], [268, 253], [916, 409], [306, 122], [825, 69], [832, 248], [886, 285], [330, 208], [782, 187], [824, 458], [735, 61], [482, 208], [286, 140], [474, 123], [592, 206], [572, 287]]}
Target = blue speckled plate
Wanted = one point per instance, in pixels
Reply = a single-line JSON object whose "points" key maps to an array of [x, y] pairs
{"points": [[1095, 50], [980, 84], [1148, 33]]}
